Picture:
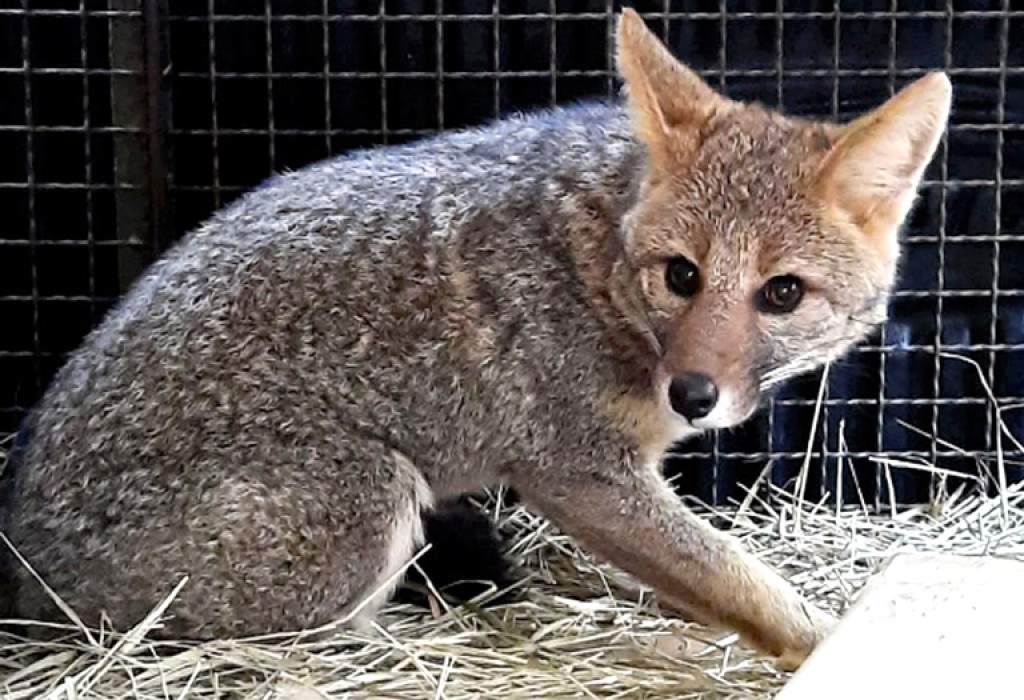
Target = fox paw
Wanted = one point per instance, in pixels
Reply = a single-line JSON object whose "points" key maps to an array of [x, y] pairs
{"points": [[814, 627]]}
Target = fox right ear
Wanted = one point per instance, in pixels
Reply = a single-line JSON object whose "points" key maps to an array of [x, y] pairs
{"points": [[668, 101]]}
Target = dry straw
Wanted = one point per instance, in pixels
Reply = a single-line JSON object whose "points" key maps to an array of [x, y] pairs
{"points": [[579, 629]]}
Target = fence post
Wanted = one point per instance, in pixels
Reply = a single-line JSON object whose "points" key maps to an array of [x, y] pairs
{"points": [[139, 96]]}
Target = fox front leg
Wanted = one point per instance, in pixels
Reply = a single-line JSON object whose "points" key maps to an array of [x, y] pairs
{"points": [[633, 519]]}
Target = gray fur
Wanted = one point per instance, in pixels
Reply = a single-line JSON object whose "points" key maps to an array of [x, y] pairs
{"points": [[242, 399]]}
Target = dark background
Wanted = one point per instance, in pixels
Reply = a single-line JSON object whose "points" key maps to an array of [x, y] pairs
{"points": [[123, 124]]}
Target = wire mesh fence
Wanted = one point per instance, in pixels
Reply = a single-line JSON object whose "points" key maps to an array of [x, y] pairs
{"points": [[124, 123]]}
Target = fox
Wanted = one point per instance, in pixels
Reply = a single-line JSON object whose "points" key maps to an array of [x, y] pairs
{"points": [[548, 302]]}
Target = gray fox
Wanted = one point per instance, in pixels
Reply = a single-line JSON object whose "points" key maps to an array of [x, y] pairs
{"points": [[548, 302]]}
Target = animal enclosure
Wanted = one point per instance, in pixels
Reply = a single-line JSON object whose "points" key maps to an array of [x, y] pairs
{"points": [[123, 124]]}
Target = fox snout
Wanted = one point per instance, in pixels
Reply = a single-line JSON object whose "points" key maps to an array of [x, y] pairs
{"points": [[709, 367], [709, 403], [693, 395]]}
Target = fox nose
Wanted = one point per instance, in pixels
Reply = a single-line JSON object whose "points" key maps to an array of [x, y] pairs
{"points": [[693, 395]]}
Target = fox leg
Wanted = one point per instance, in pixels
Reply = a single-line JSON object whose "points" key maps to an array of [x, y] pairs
{"points": [[635, 521]]}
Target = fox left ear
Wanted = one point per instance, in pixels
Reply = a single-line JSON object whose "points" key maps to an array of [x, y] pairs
{"points": [[873, 170]]}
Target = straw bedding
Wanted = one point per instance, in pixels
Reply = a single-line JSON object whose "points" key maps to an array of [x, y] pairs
{"points": [[578, 629]]}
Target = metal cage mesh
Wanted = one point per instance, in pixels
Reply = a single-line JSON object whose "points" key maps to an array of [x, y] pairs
{"points": [[124, 123]]}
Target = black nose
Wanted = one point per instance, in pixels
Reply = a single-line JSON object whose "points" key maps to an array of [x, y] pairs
{"points": [[693, 395]]}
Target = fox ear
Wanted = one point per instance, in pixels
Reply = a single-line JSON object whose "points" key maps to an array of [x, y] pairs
{"points": [[874, 168], [667, 100]]}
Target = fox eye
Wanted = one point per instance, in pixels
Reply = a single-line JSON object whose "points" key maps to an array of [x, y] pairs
{"points": [[781, 294], [682, 277]]}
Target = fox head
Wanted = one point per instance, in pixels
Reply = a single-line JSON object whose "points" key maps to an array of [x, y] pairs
{"points": [[760, 246]]}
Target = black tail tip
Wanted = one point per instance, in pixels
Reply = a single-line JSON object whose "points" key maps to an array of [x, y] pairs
{"points": [[465, 558]]}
